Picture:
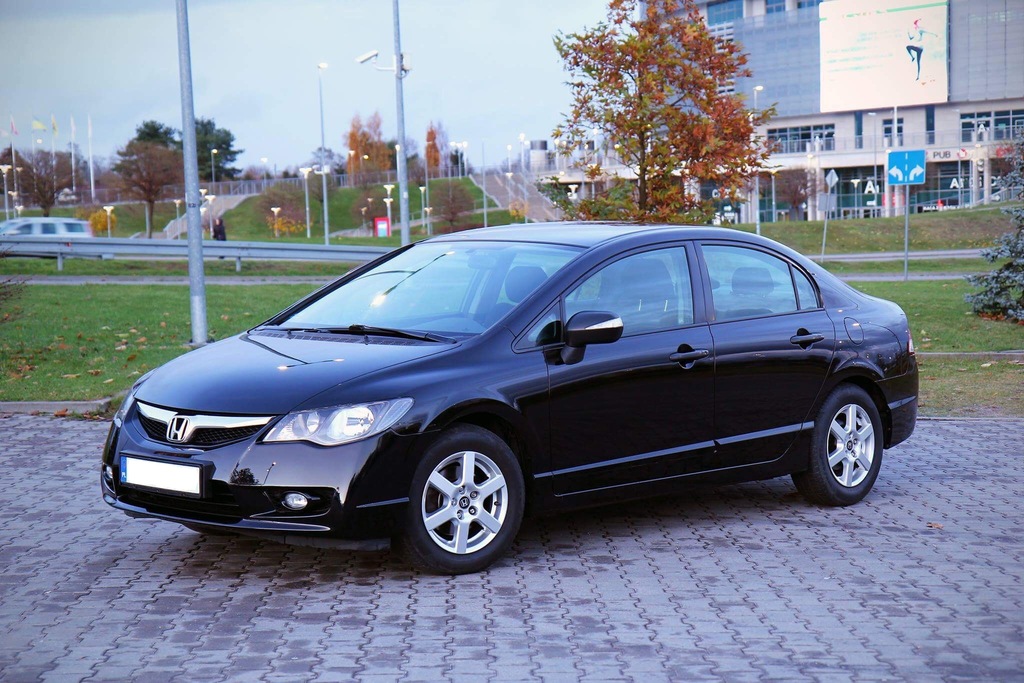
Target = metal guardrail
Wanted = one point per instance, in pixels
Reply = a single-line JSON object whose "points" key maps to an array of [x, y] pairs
{"points": [[107, 248]]}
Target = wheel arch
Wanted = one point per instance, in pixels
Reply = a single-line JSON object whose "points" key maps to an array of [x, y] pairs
{"points": [[499, 418], [866, 379]]}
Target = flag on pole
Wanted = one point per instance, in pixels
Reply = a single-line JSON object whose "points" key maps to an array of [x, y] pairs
{"points": [[53, 123], [37, 124], [14, 128]]}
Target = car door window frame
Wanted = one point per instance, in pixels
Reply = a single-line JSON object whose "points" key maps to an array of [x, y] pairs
{"points": [[693, 271], [793, 269]]}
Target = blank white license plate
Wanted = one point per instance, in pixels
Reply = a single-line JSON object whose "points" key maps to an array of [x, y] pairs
{"points": [[161, 475]]}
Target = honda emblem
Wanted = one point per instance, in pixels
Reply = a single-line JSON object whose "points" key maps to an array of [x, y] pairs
{"points": [[179, 429]]}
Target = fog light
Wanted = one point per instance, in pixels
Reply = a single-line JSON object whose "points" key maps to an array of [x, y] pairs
{"points": [[108, 471], [295, 501]]}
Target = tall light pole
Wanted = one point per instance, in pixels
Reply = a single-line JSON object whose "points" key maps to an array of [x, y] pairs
{"points": [[522, 168], [210, 198], [423, 214], [177, 216], [305, 186], [757, 177], [856, 195], [7, 211], [400, 71], [109, 210], [323, 146], [775, 212], [213, 165], [387, 201], [874, 160]]}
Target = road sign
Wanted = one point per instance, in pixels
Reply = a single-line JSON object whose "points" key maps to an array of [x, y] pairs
{"points": [[832, 178], [905, 167]]}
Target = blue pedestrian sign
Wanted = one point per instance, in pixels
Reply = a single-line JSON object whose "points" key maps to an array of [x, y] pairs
{"points": [[905, 167]]}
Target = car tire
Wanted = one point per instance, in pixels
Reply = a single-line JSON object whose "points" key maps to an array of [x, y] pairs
{"points": [[466, 503], [846, 449]]}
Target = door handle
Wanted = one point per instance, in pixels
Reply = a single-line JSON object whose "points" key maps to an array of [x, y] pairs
{"points": [[803, 338], [685, 357]]}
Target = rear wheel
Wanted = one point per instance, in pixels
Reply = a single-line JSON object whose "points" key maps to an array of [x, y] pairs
{"points": [[465, 504], [846, 450]]}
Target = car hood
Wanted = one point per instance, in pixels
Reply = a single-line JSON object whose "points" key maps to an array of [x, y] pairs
{"points": [[270, 373]]}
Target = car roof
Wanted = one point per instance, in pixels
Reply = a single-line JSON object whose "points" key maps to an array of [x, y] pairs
{"points": [[584, 234]]}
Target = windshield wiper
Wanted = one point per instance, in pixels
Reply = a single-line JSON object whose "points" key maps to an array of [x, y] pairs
{"points": [[371, 329]]}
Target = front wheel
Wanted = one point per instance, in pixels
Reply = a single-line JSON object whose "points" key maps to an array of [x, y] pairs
{"points": [[846, 450], [465, 504]]}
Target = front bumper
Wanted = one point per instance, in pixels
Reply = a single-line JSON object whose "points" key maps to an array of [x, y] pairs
{"points": [[358, 491]]}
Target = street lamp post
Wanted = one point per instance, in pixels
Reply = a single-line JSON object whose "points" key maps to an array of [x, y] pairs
{"points": [[398, 67], [387, 201], [264, 160], [210, 198], [522, 168], [177, 213], [423, 215], [757, 177], [213, 165], [856, 195], [874, 160], [7, 211], [775, 212], [109, 210], [323, 146], [430, 225], [276, 210], [305, 186]]}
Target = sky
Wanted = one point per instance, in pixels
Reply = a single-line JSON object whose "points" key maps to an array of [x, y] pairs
{"points": [[486, 70]]}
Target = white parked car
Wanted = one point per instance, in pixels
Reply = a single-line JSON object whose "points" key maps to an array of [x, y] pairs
{"points": [[51, 226]]}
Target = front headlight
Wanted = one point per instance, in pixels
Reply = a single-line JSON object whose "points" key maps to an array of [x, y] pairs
{"points": [[340, 424]]}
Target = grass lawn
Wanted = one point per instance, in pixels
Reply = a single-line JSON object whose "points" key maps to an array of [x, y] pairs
{"points": [[961, 229], [169, 267], [74, 343], [941, 321], [61, 343], [247, 221]]}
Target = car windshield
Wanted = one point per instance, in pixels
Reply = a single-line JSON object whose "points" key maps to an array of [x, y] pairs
{"points": [[454, 289]]}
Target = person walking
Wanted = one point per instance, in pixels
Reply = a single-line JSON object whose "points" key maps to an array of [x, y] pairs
{"points": [[219, 232]]}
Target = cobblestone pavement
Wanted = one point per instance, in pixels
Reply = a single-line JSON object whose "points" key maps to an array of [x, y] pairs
{"points": [[920, 582]]}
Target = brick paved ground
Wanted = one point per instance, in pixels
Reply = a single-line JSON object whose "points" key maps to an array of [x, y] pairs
{"points": [[921, 582]]}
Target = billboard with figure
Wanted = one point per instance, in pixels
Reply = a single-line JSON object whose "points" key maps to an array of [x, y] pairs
{"points": [[883, 53]]}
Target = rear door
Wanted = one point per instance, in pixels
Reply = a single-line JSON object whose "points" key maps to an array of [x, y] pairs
{"points": [[773, 349]]}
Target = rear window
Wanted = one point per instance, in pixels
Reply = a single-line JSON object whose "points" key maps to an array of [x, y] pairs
{"points": [[74, 227]]}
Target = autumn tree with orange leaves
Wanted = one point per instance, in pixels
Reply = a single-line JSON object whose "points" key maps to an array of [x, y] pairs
{"points": [[651, 83], [370, 152]]}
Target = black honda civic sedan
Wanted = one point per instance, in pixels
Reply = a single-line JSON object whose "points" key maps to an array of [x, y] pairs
{"points": [[436, 394]]}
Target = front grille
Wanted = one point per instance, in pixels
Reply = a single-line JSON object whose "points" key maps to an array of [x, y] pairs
{"points": [[219, 506], [213, 434]]}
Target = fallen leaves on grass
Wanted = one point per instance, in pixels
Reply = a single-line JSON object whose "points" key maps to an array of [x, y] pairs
{"points": [[63, 412]]}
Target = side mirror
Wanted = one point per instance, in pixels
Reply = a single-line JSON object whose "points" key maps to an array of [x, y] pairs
{"points": [[589, 327]]}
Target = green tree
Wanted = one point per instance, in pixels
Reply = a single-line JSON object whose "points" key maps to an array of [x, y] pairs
{"points": [[208, 138], [1001, 294], [652, 82], [145, 168], [157, 133]]}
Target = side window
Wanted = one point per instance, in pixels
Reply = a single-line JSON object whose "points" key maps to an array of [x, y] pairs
{"points": [[804, 291], [747, 283], [547, 330], [649, 291], [49, 229]]}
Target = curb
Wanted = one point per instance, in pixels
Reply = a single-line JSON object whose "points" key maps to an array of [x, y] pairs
{"points": [[80, 407]]}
